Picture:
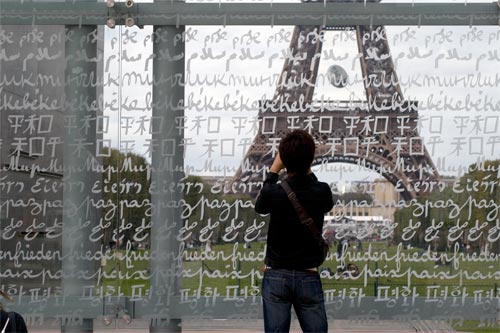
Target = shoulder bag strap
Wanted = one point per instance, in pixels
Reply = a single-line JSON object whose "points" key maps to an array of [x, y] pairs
{"points": [[303, 216]]}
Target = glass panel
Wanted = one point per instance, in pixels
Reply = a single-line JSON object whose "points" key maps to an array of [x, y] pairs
{"points": [[131, 158]]}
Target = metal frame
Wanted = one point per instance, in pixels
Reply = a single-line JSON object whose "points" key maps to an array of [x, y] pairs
{"points": [[318, 13]]}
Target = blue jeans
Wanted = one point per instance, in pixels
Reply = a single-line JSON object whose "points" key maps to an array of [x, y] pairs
{"points": [[282, 288]]}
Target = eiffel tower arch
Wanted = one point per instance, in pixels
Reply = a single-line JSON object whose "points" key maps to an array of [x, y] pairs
{"points": [[380, 133]]}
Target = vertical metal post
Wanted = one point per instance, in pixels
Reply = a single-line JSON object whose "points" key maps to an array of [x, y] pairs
{"points": [[167, 163], [79, 146]]}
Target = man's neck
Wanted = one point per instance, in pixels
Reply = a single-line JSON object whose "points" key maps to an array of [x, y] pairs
{"points": [[298, 174]]}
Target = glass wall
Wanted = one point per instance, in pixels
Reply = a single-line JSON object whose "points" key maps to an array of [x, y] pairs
{"points": [[131, 157]]}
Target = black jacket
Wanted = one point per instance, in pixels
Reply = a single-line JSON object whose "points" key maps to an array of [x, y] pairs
{"points": [[16, 322], [290, 244]]}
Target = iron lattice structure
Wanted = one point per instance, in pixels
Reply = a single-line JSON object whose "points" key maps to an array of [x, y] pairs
{"points": [[380, 133]]}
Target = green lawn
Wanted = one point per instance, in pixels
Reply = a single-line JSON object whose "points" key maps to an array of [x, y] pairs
{"points": [[199, 276], [477, 327], [209, 273]]}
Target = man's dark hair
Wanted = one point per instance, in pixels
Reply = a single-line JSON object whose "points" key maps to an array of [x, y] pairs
{"points": [[297, 151]]}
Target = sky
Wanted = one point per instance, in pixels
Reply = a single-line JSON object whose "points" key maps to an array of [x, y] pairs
{"points": [[445, 52]]}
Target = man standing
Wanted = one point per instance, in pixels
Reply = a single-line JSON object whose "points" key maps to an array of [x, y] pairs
{"points": [[293, 253]]}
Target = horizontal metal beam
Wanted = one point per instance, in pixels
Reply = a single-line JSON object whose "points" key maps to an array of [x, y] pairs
{"points": [[180, 13]]}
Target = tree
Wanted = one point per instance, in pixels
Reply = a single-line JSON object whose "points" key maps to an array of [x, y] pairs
{"points": [[218, 216], [481, 192], [126, 183], [474, 199]]}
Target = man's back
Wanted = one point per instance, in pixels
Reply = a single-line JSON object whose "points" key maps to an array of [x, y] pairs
{"points": [[290, 244]]}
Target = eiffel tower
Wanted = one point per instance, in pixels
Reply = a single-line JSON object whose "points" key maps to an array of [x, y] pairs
{"points": [[380, 133]]}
